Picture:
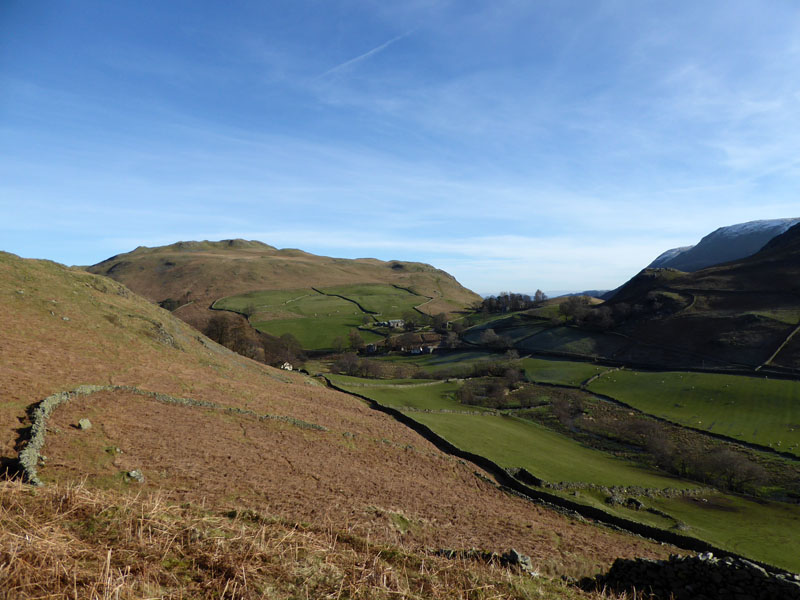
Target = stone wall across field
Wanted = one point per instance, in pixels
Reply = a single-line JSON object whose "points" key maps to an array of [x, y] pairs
{"points": [[510, 482], [702, 577], [30, 455]]}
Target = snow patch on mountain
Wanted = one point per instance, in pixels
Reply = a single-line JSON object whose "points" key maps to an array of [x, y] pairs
{"points": [[724, 244], [773, 226], [667, 256]]}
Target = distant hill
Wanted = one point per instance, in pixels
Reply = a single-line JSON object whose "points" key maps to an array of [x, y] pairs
{"points": [[188, 277], [723, 245]]}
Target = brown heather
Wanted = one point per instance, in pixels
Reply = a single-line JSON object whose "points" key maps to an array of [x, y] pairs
{"points": [[70, 542]]}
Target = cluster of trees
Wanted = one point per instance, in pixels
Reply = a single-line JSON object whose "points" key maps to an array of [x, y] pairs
{"points": [[171, 304], [354, 342], [235, 333], [492, 392], [719, 466], [509, 302], [413, 320], [490, 382], [579, 311], [491, 339]]}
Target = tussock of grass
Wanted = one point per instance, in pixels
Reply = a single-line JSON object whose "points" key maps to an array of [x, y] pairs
{"points": [[74, 542]]}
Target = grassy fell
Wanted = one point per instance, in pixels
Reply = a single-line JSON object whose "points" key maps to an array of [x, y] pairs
{"points": [[195, 274]]}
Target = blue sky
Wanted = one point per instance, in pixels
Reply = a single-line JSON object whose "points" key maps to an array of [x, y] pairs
{"points": [[559, 144]]}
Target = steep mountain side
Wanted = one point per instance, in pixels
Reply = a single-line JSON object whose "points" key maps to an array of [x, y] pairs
{"points": [[195, 274], [741, 312], [663, 259], [207, 427], [723, 245]]}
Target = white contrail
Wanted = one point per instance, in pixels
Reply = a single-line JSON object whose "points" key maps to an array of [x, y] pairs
{"points": [[366, 54]]}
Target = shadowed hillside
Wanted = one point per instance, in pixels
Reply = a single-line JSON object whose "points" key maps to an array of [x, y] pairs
{"points": [[741, 313], [220, 433]]}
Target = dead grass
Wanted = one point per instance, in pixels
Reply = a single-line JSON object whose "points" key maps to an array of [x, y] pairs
{"points": [[74, 542]]}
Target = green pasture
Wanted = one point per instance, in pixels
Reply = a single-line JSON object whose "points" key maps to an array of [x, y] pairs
{"points": [[385, 300], [346, 381], [316, 334], [437, 396], [301, 302], [521, 332], [439, 360], [265, 300], [784, 315], [514, 442], [313, 318], [511, 441], [751, 409], [548, 311], [562, 372], [767, 531]]}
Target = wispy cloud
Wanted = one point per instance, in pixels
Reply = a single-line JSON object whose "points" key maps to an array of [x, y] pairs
{"points": [[368, 54]]}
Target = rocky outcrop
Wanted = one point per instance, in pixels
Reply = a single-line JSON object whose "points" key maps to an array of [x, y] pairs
{"points": [[512, 558], [702, 577]]}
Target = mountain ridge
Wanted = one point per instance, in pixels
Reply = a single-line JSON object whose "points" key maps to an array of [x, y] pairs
{"points": [[724, 244]]}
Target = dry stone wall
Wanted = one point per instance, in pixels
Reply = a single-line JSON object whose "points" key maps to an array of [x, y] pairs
{"points": [[702, 577], [510, 483], [30, 454]]}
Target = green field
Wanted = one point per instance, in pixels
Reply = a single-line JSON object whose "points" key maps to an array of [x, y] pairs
{"points": [[767, 531], [385, 301], [509, 441], [752, 409], [436, 396], [563, 372], [549, 311], [315, 334], [265, 300], [514, 442], [313, 318], [352, 381], [439, 360]]}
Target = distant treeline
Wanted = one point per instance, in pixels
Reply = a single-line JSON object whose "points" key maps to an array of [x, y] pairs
{"points": [[509, 302]]}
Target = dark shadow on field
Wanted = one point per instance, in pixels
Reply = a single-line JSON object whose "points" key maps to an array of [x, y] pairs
{"points": [[713, 503]]}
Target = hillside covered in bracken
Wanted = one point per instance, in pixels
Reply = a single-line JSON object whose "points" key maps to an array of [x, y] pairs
{"points": [[205, 474]]}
